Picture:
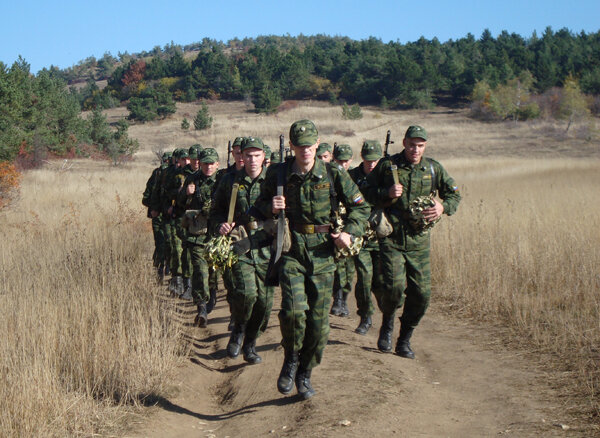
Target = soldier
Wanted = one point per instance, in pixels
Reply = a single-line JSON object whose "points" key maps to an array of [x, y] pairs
{"points": [[186, 251], [344, 266], [405, 253], [196, 198], [367, 260], [324, 152], [251, 301], [158, 257], [305, 271], [173, 183]]}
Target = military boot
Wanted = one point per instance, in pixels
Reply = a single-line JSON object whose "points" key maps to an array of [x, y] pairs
{"points": [[305, 389], [178, 285], [364, 326], [344, 307], [249, 350], [235, 340], [403, 344], [212, 301], [172, 287], [160, 273], [202, 317], [187, 290], [384, 343], [231, 324], [285, 382], [336, 308], [167, 269]]}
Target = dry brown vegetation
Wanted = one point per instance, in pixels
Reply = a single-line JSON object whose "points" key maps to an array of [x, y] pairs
{"points": [[85, 332]]}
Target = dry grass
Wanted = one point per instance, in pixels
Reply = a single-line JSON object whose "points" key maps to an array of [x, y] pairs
{"points": [[85, 336], [523, 252], [85, 331]]}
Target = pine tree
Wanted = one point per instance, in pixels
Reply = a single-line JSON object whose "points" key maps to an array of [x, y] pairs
{"points": [[203, 119]]}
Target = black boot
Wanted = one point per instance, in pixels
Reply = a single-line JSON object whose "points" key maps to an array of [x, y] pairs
{"points": [[187, 291], [172, 286], [231, 324], [178, 285], [202, 317], [344, 305], [235, 340], [403, 345], [167, 269], [364, 326], [305, 389], [285, 382], [249, 350], [384, 343], [336, 308], [212, 301]]}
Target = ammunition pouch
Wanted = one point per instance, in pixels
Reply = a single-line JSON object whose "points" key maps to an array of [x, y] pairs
{"points": [[379, 222], [194, 222], [270, 226]]}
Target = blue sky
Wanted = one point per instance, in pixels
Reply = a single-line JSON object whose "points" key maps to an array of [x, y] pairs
{"points": [[63, 33]]}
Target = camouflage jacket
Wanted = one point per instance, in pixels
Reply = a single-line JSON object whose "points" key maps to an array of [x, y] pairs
{"points": [[157, 194], [359, 177], [150, 184], [308, 201], [248, 192], [417, 180], [201, 199], [172, 184]]}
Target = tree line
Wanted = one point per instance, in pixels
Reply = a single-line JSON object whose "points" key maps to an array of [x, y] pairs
{"points": [[270, 69]]}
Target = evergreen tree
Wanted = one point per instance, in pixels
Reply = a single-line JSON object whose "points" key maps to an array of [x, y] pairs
{"points": [[203, 119]]}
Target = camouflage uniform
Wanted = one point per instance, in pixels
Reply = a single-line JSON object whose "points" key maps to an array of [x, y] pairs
{"points": [[367, 261], [200, 200], [158, 257], [405, 263], [305, 272], [251, 300]]}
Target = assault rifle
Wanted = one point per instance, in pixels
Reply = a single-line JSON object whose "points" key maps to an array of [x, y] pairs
{"points": [[388, 142], [272, 276], [228, 152]]}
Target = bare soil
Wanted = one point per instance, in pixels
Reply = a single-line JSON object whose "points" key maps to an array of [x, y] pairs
{"points": [[465, 382]]}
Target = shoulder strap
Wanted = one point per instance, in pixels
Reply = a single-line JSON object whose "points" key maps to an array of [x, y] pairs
{"points": [[433, 182], [335, 205]]}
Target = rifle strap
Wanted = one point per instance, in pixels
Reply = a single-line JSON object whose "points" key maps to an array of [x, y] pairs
{"points": [[433, 182]]}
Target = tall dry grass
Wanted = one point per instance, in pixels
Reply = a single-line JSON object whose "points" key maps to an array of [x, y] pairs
{"points": [[85, 335], [523, 251]]}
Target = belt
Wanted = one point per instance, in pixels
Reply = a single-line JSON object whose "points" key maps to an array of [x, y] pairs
{"points": [[311, 228]]}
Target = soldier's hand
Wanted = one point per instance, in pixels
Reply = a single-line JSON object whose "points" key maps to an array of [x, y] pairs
{"points": [[432, 213], [170, 210], [191, 188], [278, 204], [395, 191], [226, 228], [154, 213], [342, 240]]}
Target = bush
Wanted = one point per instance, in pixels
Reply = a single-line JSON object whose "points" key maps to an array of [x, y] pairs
{"points": [[9, 182], [203, 119], [185, 124], [351, 112]]}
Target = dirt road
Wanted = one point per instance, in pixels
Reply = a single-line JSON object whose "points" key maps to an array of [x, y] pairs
{"points": [[463, 383]]}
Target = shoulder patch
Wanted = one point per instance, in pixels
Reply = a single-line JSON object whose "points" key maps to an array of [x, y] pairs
{"points": [[358, 199]]}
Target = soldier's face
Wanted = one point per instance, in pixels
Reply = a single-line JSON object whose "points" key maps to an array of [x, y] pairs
{"points": [[344, 163], [253, 160], [369, 165], [209, 169], [326, 156], [305, 154], [237, 157], [414, 148], [195, 164], [182, 162]]}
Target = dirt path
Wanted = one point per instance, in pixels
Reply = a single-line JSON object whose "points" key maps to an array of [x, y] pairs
{"points": [[462, 384]]}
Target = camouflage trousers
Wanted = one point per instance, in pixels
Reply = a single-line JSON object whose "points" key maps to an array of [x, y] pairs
{"points": [[186, 253], [159, 241], [344, 274], [250, 300], [200, 275], [407, 279], [175, 246], [228, 283], [368, 278], [305, 300]]}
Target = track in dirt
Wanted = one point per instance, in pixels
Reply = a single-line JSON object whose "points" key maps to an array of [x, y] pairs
{"points": [[462, 384]]}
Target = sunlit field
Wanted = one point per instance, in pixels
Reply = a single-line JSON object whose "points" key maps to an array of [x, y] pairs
{"points": [[88, 336]]}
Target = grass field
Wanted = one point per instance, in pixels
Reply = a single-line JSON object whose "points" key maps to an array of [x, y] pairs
{"points": [[85, 332]]}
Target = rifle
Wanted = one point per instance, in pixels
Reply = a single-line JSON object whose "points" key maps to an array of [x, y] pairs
{"points": [[228, 152], [388, 142], [272, 276]]}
